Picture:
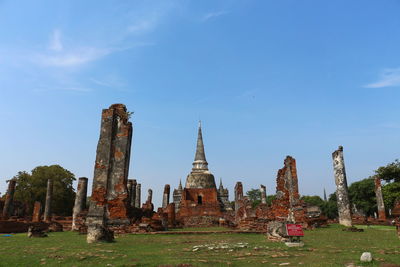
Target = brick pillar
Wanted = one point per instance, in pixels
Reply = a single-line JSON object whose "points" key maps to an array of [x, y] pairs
{"points": [[9, 202], [80, 201], [171, 214], [36, 212], [342, 194], [379, 199], [130, 186], [238, 195], [166, 196], [150, 196], [138, 194], [133, 193], [263, 191], [109, 200], [49, 199]]}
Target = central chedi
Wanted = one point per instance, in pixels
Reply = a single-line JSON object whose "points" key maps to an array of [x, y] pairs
{"points": [[200, 202]]}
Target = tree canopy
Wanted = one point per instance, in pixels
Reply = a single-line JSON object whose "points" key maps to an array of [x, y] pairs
{"points": [[362, 194], [32, 187], [390, 172], [254, 196]]}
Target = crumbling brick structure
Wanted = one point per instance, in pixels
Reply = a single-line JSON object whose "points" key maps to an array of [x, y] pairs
{"points": [[287, 205], [148, 205], [109, 199], [342, 193], [379, 199]]}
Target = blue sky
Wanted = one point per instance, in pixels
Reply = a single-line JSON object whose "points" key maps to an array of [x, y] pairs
{"points": [[267, 79]]}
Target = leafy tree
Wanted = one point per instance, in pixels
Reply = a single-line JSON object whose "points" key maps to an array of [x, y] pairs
{"points": [[313, 200], [362, 194], [33, 187], [390, 172], [254, 196], [390, 192], [270, 198], [329, 209]]}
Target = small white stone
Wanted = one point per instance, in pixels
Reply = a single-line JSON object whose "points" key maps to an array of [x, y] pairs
{"points": [[366, 257]]}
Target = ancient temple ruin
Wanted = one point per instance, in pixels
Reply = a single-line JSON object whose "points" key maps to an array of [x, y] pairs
{"points": [[200, 202]]}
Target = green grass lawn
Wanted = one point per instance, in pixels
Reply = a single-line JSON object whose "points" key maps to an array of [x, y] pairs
{"points": [[323, 247]]}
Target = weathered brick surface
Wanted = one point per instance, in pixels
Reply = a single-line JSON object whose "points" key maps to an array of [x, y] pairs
{"points": [[148, 205], [199, 202], [109, 199], [171, 215], [36, 217], [287, 205]]}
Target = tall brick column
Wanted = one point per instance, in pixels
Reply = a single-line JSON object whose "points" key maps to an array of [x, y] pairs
{"points": [[263, 191], [166, 196], [80, 201], [133, 194], [109, 199], [342, 194], [379, 199], [138, 194], [49, 199], [130, 186], [171, 214], [238, 195], [9, 202], [36, 211]]}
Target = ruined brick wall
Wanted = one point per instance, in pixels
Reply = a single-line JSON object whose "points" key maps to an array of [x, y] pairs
{"points": [[199, 202], [287, 205]]}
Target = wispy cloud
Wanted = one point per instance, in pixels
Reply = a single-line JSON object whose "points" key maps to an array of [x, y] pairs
{"points": [[77, 57], [55, 41], [388, 78], [212, 15]]}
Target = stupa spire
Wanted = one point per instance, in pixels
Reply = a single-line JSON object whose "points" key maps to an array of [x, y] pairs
{"points": [[200, 162]]}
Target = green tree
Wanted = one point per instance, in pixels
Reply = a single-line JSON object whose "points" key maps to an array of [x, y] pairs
{"points": [[270, 198], [313, 200], [390, 172], [362, 194], [390, 192], [254, 196], [329, 209], [33, 187]]}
